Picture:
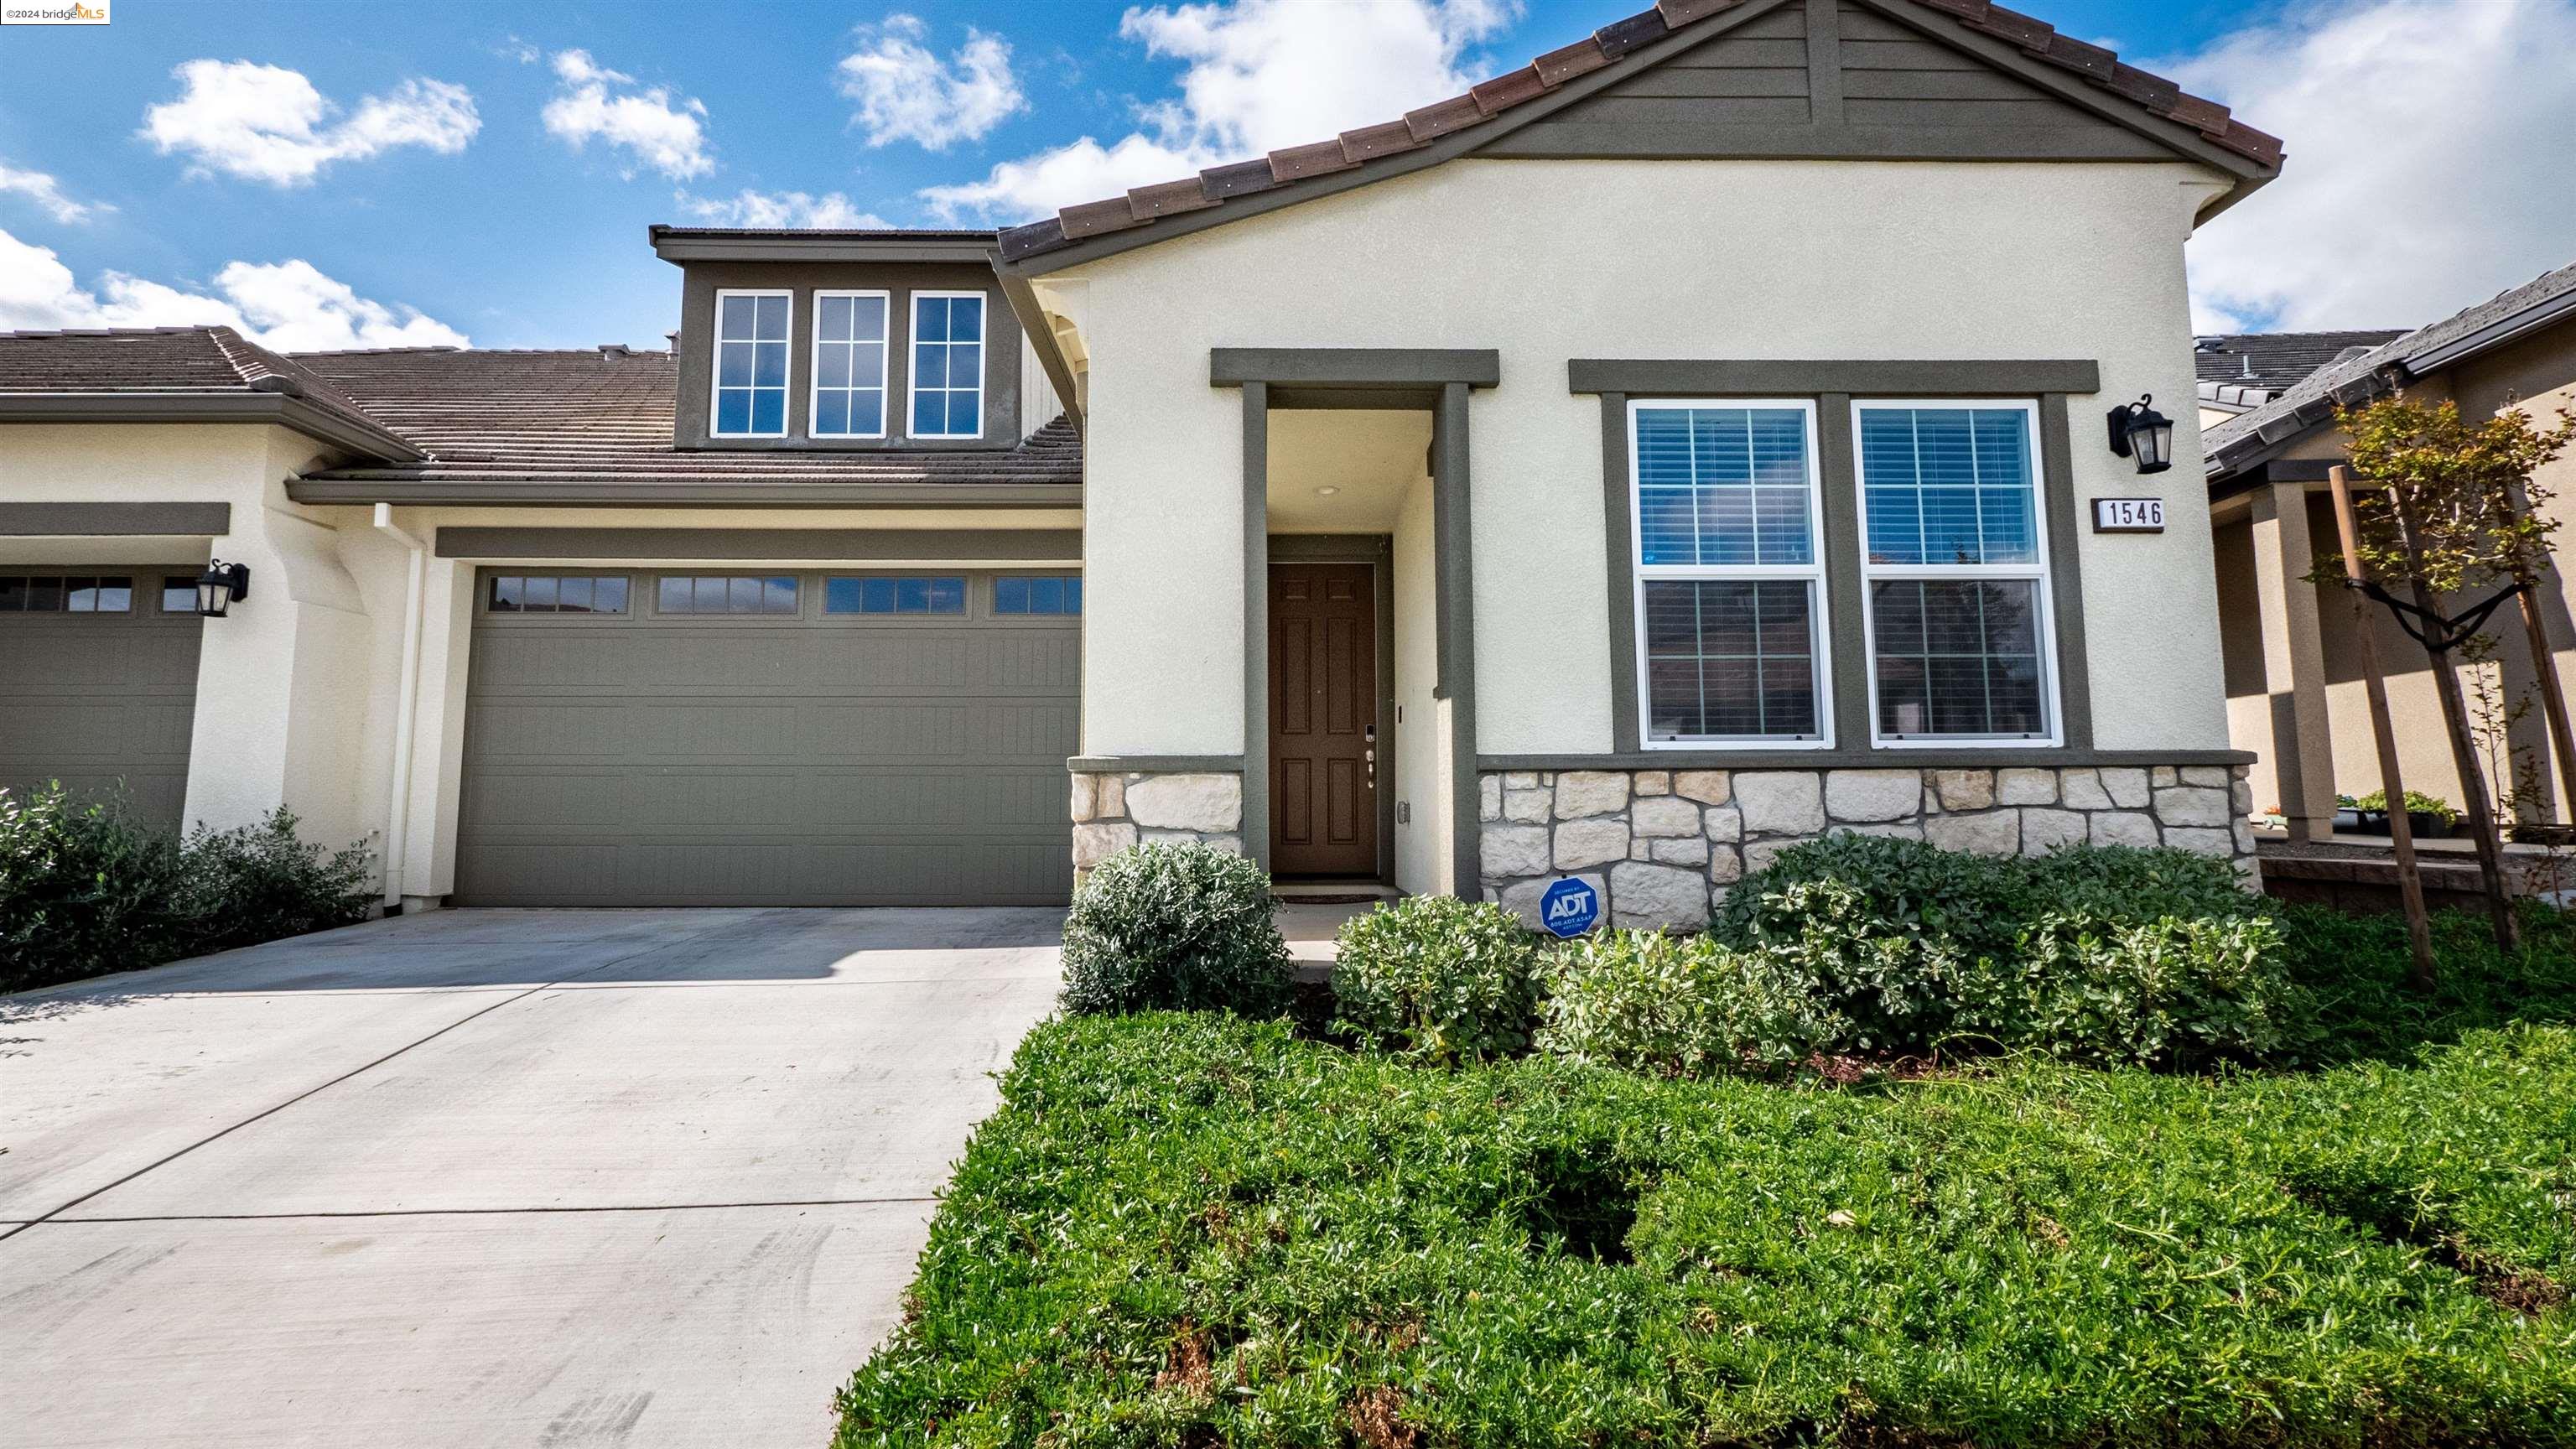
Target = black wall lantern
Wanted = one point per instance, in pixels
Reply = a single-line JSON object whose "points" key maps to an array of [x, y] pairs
{"points": [[220, 585], [2139, 431]]}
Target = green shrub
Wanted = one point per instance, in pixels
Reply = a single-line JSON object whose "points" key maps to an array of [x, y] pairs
{"points": [[84, 890], [2169, 991], [261, 883], [1180, 927], [1685, 1007], [2103, 953], [1437, 979]]}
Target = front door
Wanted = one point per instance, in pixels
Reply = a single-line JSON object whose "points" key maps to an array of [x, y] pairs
{"points": [[1323, 719]]}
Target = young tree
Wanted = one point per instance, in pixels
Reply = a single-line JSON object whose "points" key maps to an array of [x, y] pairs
{"points": [[2455, 513]]}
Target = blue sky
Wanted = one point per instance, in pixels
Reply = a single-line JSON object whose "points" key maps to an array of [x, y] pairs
{"points": [[487, 170]]}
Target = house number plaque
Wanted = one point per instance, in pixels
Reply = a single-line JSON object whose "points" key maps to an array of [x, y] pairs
{"points": [[2128, 515]]}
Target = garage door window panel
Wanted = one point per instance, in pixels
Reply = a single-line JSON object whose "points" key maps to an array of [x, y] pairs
{"points": [[728, 595], [1058, 595], [896, 595], [68, 594], [576, 594]]}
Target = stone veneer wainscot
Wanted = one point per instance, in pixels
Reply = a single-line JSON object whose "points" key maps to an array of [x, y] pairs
{"points": [[1114, 811], [1662, 846]]}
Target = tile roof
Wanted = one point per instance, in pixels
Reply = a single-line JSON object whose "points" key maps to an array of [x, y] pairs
{"points": [[2270, 361], [1481, 103], [161, 361], [608, 414], [597, 414], [2249, 438]]}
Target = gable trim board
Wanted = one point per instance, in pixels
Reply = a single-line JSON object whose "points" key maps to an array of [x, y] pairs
{"points": [[1054, 547], [2037, 77], [545, 492], [107, 520], [259, 405]]}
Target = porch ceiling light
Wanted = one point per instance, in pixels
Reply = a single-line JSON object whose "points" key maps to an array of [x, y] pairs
{"points": [[2138, 431], [1328, 490], [220, 585]]}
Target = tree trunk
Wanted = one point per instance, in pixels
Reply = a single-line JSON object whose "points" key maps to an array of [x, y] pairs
{"points": [[2480, 804], [2420, 973]]}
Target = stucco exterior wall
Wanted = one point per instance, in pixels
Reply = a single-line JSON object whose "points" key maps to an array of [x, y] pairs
{"points": [[1421, 727], [1550, 260]]}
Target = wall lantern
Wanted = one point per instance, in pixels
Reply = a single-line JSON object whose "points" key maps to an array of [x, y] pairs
{"points": [[220, 585], [2139, 431]]}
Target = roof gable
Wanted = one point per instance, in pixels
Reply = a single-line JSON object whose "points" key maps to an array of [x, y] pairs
{"points": [[1856, 79]]}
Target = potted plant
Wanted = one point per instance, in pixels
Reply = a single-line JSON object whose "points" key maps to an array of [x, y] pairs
{"points": [[2429, 816]]}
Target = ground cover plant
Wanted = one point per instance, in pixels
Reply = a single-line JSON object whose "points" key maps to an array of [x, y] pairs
{"points": [[1196, 1229], [85, 890], [2181, 1168]]}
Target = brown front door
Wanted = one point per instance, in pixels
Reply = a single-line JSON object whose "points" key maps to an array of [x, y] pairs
{"points": [[1323, 719]]}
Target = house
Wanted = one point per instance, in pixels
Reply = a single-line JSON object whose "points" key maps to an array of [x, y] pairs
{"points": [[2241, 371], [1670, 449], [2293, 648]]}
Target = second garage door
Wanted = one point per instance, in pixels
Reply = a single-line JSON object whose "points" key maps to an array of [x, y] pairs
{"points": [[755, 738]]}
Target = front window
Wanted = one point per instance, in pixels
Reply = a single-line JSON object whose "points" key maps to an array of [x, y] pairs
{"points": [[1955, 572], [947, 364], [849, 365], [1730, 623], [751, 365]]}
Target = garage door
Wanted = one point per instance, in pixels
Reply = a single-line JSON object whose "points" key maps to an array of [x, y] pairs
{"points": [[98, 684], [742, 738]]}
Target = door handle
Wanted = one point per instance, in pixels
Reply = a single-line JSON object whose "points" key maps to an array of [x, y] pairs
{"points": [[1370, 754]]}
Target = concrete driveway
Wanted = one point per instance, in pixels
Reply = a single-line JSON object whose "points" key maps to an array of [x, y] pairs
{"points": [[515, 1178]]}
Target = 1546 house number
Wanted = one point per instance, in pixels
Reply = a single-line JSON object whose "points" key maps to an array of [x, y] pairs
{"points": [[2128, 515]]}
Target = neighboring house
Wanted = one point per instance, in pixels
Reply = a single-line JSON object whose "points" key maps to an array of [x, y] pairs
{"points": [[2295, 695], [2241, 371], [1676, 447]]}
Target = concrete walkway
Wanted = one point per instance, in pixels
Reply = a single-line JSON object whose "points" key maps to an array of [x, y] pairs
{"points": [[547, 1178]]}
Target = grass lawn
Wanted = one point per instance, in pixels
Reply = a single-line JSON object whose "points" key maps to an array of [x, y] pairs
{"points": [[1193, 1229]]}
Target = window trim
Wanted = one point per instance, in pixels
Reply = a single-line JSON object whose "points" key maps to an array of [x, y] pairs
{"points": [[814, 359], [2040, 573], [912, 361], [1813, 573], [715, 358]]}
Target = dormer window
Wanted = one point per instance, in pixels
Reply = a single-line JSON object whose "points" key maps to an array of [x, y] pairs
{"points": [[947, 364], [849, 365], [751, 365]]}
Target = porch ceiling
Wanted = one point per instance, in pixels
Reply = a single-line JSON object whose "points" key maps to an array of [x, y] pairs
{"points": [[1369, 457]]}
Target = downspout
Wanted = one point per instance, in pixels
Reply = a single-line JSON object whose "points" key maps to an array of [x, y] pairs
{"points": [[398, 809]]}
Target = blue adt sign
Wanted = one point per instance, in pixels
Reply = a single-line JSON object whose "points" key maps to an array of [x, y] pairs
{"points": [[1569, 907]]}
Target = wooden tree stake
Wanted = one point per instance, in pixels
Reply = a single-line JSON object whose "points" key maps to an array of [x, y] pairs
{"points": [[2401, 832]]}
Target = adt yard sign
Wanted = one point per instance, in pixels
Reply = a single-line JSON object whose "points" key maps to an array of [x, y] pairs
{"points": [[1569, 907]]}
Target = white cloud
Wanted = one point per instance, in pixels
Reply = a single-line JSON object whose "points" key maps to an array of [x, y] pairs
{"points": [[780, 209], [905, 93], [47, 195], [267, 123], [291, 305], [2428, 161], [1257, 75], [669, 137]]}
